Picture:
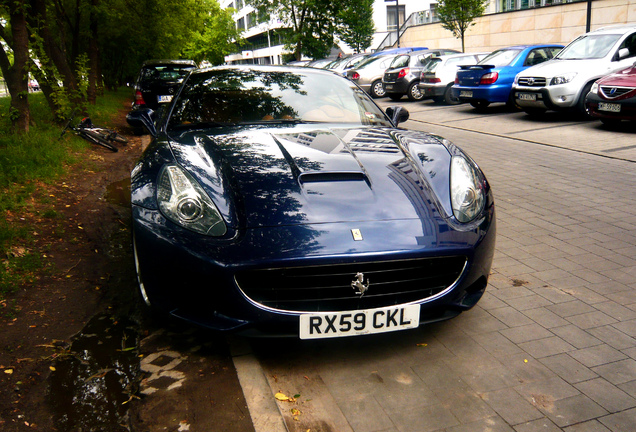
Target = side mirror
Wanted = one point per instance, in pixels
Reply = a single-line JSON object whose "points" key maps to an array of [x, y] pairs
{"points": [[622, 53], [144, 117], [397, 114]]}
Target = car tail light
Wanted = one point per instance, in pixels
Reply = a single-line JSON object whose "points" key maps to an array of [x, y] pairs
{"points": [[456, 79], [355, 76], [139, 99], [434, 80], [403, 72], [489, 78]]}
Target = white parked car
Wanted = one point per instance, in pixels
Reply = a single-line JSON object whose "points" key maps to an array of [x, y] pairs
{"points": [[563, 82], [438, 75]]}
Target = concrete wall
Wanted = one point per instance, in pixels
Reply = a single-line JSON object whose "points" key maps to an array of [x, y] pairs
{"points": [[550, 24]]}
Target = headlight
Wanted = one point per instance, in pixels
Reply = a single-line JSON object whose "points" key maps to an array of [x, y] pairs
{"points": [[467, 194], [594, 88], [563, 79], [185, 203]]}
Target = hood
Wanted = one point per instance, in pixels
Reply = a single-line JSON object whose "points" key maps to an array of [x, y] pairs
{"points": [[623, 78], [556, 67], [264, 177]]}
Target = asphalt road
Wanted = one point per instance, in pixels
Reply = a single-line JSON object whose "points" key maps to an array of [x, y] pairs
{"points": [[552, 344]]}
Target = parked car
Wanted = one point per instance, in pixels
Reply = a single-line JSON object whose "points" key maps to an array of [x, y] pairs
{"points": [[564, 82], [320, 63], [438, 76], [368, 74], [342, 65], [279, 200], [613, 97], [491, 79], [157, 83], [403, 74]]}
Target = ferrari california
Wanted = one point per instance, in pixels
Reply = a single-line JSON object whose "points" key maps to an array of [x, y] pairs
{"points": [[283, 200]]}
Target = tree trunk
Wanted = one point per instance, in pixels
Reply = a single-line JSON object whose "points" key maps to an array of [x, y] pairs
{"points": [[16, 76], [93, 56]]}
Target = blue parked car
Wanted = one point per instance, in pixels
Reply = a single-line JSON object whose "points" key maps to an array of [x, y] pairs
{"points": [[491, 79]]}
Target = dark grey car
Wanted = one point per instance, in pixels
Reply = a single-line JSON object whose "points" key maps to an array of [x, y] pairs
{"points": [[403, 75]]}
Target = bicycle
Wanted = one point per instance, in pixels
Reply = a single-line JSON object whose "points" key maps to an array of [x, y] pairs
{"points": [[94, 134]]}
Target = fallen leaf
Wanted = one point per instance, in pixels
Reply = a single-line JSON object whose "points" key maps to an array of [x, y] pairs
{"points": [[8, 371], [282, 397], [295, 412], [422, 344], [52, 368]]}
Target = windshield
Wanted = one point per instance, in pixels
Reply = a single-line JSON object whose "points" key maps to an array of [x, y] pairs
{"points": [[229, 96], [500, 58], [589, 47]]}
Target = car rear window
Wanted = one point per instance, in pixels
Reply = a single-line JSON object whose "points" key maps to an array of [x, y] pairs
{"points": [[165, 73], [501, 58]]}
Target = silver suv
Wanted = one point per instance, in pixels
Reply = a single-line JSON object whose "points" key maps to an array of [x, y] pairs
{"points": [[563, 82]]}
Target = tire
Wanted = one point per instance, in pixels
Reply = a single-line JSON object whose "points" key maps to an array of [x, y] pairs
{"points": [[377, 89], [395, 96], [580, 104], [119, 138], [479, 104], [448, 96], [414, 93], [98, 139]]}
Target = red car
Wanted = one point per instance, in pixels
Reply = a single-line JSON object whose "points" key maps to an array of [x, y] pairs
{"points": [[613, 97]]}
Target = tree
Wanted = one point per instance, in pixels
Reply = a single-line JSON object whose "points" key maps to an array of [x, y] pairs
{"points": [[313, 24], [458, 15], [14, 59], [214, 35], [355, 24]]}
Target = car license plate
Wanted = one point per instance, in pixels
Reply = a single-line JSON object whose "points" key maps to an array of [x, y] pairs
{"points": [[388, 86], [351, 323], [527, 96], [465, 93], [164, 98], [611, 107]]}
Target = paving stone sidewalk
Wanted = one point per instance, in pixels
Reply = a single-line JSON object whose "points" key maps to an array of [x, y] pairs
{"points": [[552, 344]]}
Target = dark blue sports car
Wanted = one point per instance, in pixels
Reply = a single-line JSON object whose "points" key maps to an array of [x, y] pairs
{"points": [[491, 79], [284, 200]]}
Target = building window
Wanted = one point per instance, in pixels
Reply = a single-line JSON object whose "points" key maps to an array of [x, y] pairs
{"points": [[240, 24], [250, 20], [509, 5], [391, 11]]}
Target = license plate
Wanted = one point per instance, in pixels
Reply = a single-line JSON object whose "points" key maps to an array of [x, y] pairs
{"points": [[527, 96], [164, 98], [352, 323], [466, 93], [611, 107], [388, 86]]}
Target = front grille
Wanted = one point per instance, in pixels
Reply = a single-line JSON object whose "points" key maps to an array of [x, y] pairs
{"points": [[532, 81], [328, 287], [613, 92]]}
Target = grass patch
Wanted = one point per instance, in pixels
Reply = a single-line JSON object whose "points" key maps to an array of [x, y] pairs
{"points": [[28, 162]]}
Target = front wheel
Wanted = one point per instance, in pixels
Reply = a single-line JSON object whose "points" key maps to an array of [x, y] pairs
{"points": [[580, 105], [377, 89], [395, 96], [414, 93]]}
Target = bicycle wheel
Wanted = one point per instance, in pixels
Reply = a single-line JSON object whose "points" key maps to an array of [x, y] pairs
{"points": [[98, 139], [120, 139]]}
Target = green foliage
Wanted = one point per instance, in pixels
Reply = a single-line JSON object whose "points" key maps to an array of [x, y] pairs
{"points": [[355, 26], [213, 35], [457, 15], [315, 24]]}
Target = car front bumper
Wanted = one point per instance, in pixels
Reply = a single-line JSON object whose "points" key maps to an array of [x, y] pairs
{"points": [[627, 108], [555, 98], [195, 279]]}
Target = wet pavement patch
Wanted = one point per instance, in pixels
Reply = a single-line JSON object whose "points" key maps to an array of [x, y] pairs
{"points": [[96, 378]]}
